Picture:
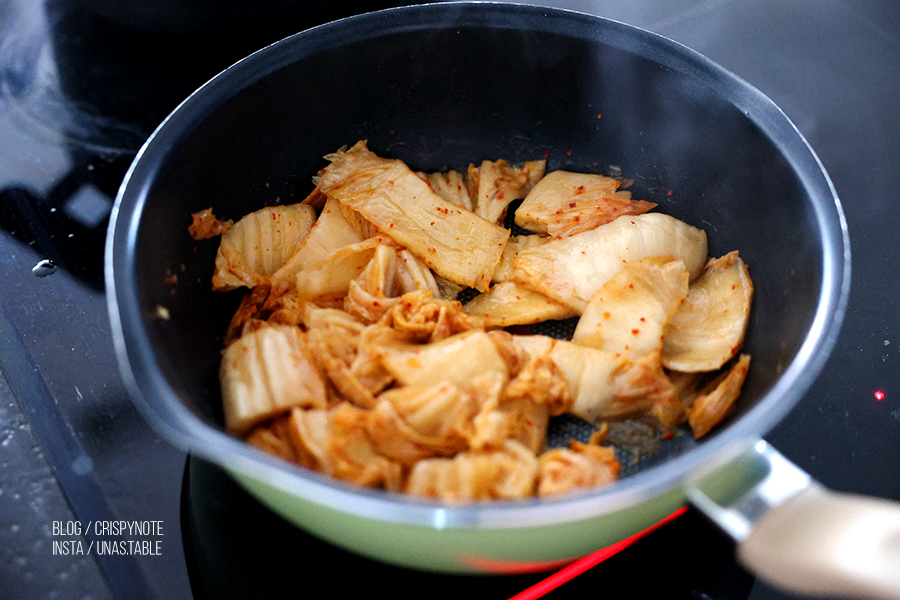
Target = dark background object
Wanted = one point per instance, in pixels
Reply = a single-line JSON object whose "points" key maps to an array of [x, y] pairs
{"points": [[111, 54], [830, 64]]}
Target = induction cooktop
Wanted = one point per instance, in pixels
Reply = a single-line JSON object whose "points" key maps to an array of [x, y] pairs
{"points": [[83, 83]]}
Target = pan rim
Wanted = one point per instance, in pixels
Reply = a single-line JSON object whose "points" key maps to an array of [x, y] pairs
{"points": [[163, 409]]}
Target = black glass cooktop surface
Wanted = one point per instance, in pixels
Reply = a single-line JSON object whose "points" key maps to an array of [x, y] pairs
{"points": [[84, 82]]}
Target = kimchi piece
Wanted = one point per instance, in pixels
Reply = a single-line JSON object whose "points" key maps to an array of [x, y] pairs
{"points": [[328, 234], [456, 243], [514, 245], [496, 183], [628, 314], [708, 397], [259, 244], [414, 422], [578, 467], [509, 303], [708, 328], [204, 225], [451, 186], [267, 372], [572, 269], [508, 473], [565, 203]]}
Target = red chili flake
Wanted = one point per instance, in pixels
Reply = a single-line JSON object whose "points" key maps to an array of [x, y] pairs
{"points": [[669, 193], [635, 331], [667, 435], [606, 315], [500, 196], [546, 154], [568, 153], [599, 115], [432, 222], [643, 319]]}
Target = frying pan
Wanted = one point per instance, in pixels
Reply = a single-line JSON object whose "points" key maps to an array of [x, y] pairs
{"points": [[445, 85]]}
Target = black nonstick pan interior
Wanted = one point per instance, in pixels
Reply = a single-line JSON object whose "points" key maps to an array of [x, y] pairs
{"points": [[443, 95]]}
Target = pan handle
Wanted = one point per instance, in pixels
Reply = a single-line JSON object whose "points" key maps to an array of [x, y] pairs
{"points": [[797, 535]]}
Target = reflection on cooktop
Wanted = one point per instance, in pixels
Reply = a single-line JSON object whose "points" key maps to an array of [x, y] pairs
{"points": [[67, 225]]}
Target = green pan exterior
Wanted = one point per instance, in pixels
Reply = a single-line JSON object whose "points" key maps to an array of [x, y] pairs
{"points": [[496, 550], [464, 550]]}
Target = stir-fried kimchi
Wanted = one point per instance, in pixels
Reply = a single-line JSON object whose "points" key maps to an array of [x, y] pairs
{"points": [[350, 353]]}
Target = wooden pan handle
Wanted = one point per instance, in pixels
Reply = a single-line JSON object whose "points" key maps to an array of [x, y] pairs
{"points": [[821, 542], [794, 534]]}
